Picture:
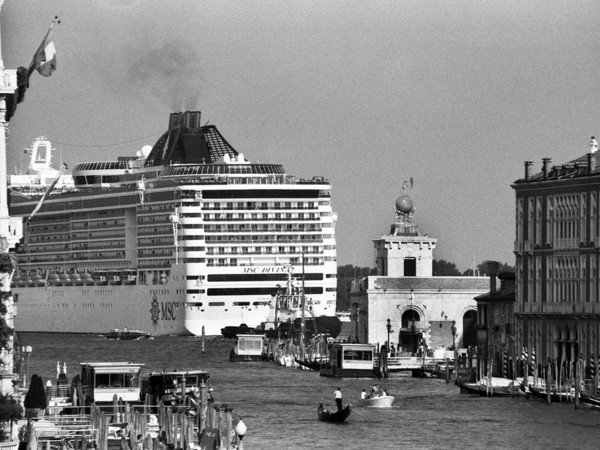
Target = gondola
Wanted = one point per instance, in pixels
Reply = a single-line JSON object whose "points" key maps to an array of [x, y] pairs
{"points": [[334, 416], [311, 365], [590, 400], [495, 391], [555, 397]]}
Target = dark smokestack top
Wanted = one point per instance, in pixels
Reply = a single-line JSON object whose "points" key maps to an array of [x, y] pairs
{"points": [[187, 119], [545, 165], [528, 165]]}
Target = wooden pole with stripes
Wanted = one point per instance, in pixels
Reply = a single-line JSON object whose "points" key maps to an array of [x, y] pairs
{"points": [[594, 367], [533, 367]]}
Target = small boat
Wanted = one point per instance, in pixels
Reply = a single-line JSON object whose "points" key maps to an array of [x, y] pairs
{"points": [[307, 364], [484, 390], [591, 400], [231, 332], [126, 334], [384, 401], [555, 397], [333, 416], [377, 398], [176, 387]]}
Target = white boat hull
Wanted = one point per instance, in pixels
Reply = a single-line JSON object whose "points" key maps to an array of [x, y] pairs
{"points": [[378, 402]]}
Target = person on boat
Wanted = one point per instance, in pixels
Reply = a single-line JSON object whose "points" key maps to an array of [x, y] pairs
{"points": [[338, 398], [363, 394]]}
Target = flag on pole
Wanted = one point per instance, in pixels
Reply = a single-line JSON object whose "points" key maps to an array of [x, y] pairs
{"points": [[50, 188], [44, 59]]}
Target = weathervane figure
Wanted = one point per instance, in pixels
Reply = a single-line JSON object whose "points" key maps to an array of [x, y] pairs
{"points": [[405, 182]]}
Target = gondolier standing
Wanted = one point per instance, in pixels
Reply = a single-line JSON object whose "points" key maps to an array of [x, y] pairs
{"points": [[338, 398]]}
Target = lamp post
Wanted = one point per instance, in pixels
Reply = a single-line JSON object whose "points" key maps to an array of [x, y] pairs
{"points": [[453, 330], [27, 350], [389, 330]]}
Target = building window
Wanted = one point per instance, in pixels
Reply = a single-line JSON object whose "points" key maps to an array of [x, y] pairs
{"points": [[410, 267]]}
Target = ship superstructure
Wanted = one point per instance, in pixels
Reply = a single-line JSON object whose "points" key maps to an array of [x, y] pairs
{"points": [[186, 237]]}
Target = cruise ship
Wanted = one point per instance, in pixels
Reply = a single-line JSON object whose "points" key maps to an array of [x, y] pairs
{"points": [[185, 237]]}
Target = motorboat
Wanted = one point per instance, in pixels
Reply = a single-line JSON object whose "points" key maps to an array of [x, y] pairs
{"points": [[377, 398]]}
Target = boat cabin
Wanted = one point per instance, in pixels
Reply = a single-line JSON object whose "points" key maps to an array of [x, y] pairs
{"points": [[169, 387], [103, 380], [249, 347], [349, 360]]}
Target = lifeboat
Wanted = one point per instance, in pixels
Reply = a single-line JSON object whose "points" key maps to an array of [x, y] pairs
{"points": [[65, 279], [87, 279], [76, 279], [38, 280], [17, 280], [28, 281], [54, 279]]}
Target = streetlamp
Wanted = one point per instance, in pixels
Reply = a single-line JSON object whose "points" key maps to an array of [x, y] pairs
{"points": [[453, 330], [389, 330], [27, 350]]}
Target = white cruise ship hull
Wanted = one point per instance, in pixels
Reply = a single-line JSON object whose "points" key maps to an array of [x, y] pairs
{"points": [[187, 237]]}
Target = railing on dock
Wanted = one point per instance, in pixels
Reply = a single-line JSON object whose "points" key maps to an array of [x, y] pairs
{"points": [[57, 427], [9, 445], [177, 426]]}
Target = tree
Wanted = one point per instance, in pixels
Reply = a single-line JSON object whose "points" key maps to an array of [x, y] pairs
{"points": [[483, 269], [443, 268], [10, 411], [36, 395], [345, 275]]}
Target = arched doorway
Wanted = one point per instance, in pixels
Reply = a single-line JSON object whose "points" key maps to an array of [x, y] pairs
{"points": [[469, 330], [410, 337]]}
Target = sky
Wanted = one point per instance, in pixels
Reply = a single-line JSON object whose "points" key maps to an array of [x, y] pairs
{"points": [[455, 94]]}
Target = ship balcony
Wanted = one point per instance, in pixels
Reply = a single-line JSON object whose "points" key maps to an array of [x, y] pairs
{"points": [[560, 308]]}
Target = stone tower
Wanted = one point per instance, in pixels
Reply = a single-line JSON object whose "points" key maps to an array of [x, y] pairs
{"points": [[404, 252]]}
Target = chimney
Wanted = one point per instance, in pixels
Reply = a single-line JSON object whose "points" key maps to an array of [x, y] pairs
{"points": [[174, 120], [528, 165], [591, 158], [191, 119], [493, 267], [545, 164]]}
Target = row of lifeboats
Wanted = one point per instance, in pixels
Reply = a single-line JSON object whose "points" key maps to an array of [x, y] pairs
{"points": [[97, 278]]}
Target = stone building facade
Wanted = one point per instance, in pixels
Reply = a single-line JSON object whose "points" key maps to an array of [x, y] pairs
{"points": [[557, 248], [422, 309]]}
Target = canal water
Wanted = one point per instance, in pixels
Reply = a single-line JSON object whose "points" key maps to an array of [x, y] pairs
{"points": [[279, 405]]}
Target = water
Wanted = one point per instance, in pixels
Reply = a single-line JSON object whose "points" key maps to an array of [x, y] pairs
{"points": [[279, 404]]}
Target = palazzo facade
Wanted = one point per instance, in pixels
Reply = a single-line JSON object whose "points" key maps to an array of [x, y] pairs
{"points": [[557, 248]]}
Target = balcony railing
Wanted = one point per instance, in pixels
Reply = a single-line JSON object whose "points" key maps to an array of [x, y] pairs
{"points": [[557, 308]]}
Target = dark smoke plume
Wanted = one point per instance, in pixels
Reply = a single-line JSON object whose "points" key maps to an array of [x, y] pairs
{"points": [[170, 73]]}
